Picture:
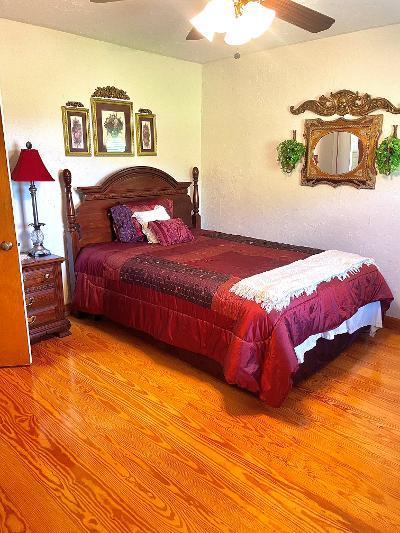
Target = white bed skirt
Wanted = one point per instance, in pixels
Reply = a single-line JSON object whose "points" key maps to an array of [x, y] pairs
{"points": [[368, 315]]}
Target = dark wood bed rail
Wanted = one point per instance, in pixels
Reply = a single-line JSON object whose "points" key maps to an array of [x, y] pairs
{"points": [[88, 223]]}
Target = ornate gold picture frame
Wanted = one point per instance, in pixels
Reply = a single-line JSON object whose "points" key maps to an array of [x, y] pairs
{"points": [[76, 130], [113, 133], [363, 175], [146, 134]]}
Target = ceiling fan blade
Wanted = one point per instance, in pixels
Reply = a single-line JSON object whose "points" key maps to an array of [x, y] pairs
{"points": [[194, 35], [299, 15]]}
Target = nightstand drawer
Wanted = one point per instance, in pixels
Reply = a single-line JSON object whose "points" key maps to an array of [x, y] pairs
{"points": [[42, 298], [38, 277], [42, 316]]}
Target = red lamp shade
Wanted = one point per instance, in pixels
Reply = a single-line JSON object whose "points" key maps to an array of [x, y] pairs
{"points": [[30, 166]]}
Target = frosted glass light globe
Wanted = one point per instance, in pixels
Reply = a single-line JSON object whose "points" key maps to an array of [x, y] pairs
{"points": [[258, 17], [239, 32], [216, 17], [203, 23], [223, 14], [253, 22]]}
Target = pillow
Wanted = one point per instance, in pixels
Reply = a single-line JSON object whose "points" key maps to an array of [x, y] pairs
{"points": [[172, 231], [144, 217], [124, 228], [149, 205]]}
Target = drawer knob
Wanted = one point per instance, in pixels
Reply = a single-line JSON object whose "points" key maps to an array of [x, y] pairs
{"points": [[47, 276], [29, 303], [6, 245], [31, 320]]}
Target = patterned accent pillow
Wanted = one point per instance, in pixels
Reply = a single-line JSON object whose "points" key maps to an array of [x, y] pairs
{"points": [[149, 205], [124, 229], [144, 217], [172, 231]]}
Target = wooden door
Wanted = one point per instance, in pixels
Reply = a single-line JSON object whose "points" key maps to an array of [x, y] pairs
{"points": [[14, 338]]}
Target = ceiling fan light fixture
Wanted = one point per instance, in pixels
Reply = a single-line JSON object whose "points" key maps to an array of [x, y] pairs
{"points": [[241, 21]]}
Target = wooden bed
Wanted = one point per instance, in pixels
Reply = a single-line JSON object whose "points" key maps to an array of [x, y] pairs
{"points": [[196, 312]]}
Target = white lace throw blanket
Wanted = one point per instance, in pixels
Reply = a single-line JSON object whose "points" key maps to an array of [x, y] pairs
{"points": [[276, 288]]}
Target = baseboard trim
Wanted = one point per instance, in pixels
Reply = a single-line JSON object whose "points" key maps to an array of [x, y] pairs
{"points": [[392, 323]]}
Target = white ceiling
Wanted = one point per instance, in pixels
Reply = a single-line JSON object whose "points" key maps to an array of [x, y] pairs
{"points": [[161, 26]]}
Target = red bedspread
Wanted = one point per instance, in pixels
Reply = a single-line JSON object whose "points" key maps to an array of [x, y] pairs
{"points": [[180, 295]]}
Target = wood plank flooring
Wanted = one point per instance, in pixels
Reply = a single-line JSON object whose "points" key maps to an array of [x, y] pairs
{"points": [[106, 432]]}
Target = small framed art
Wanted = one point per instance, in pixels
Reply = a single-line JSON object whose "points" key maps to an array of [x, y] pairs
{"points": [[112, 127], [146, 134], [76, 131]]}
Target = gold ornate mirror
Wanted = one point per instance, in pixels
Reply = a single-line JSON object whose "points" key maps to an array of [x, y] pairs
{"points": [[341, 152]]}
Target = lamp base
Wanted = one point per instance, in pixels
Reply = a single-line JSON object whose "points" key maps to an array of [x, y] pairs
{"points": [[37, 238], [38, 250]]}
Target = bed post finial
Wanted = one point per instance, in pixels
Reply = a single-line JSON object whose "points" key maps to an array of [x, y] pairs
{"points": [[196, 218]]}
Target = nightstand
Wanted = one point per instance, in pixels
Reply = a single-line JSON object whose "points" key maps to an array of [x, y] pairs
{"points": [[44, 297]]}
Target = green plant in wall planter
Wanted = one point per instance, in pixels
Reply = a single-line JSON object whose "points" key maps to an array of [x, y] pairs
{"points": [[388, 154], [290, 152]]}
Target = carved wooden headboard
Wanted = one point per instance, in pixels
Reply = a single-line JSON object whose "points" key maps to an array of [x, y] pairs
{"points": [[89, 222]]}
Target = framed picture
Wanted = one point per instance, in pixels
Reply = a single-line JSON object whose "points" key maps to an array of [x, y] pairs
{"points": [[112, 127], [76, 131], [146, 134]]}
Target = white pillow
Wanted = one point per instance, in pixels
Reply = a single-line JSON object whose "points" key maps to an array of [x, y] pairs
{"points": [[144, 217]]}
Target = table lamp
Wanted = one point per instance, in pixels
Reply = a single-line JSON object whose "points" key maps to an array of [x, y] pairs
{"points": [[30, 168]]}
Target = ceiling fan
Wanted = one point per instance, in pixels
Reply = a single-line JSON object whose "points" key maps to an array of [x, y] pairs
{"points": [[301, 16]]}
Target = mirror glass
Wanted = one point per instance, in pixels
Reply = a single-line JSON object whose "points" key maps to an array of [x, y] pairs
{"points": [[338, 152]]}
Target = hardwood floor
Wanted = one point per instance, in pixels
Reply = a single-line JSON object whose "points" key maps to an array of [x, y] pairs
{"points": [[108, 433]]}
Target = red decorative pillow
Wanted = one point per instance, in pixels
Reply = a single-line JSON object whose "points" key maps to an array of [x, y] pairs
{"points": [[172, 231], [149, 205]]}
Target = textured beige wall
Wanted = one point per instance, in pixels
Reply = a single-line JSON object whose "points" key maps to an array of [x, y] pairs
{"points": [[42, 69], [245, 115]]}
